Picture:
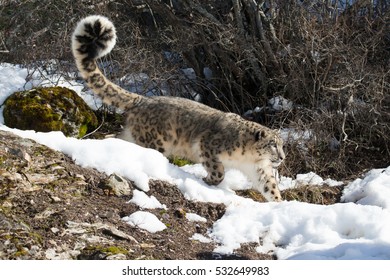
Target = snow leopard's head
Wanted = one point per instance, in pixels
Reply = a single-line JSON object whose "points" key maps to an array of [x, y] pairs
{"points": [[269, 145]]}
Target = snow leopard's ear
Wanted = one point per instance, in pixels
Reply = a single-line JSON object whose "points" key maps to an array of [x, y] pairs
{"points": [[259, 134]]}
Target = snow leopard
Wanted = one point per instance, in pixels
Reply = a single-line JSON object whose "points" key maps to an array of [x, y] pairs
{"points": [[181, 127]]}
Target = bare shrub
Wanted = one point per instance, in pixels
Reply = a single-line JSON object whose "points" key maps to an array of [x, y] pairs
{"points": [[331, 59]]}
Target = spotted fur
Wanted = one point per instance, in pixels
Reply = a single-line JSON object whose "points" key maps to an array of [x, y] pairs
{"points": [[181, 127]]}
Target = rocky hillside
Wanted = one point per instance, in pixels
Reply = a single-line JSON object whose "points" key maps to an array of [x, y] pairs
{"points": [[51, 208]]}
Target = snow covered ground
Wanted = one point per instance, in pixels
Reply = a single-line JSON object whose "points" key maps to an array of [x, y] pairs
{"points": [[358, 228]]}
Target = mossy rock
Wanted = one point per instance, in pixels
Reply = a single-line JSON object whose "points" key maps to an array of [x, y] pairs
{"points": [[49, 109], [100, 252]]}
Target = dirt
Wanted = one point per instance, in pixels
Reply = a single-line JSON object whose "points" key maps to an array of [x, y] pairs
{"points": [[51, 208]]}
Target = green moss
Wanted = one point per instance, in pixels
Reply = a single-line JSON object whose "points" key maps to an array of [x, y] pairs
{"points": [[49, 109], [7, 237], [3, 209], [179, 161], [114, 250], [21, 252], [37, 237], [111, 250], [83, 130]]}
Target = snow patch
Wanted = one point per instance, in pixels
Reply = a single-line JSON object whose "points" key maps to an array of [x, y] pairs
{"points": [[306, 179], [192, 217], [279, 103], [115, 156], [373, 189], [201, 238], [295, 230], [146, 202], [12, 78], [146, 221]]}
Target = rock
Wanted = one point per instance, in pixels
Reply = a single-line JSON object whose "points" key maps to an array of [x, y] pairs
{"points": [[55, 198], [147, 246], [49, 109], [79, 228], [180, 213], [116, 257], [117, 185], [119, 234], [56, 254], [45, 214], [21, 153], [40, 179], [98, 252]]}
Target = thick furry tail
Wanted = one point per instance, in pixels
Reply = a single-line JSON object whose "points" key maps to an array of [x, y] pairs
{"points": [[94, 37]]}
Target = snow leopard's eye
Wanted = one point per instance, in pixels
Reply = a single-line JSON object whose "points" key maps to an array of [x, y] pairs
{"points": [[272, 143]]}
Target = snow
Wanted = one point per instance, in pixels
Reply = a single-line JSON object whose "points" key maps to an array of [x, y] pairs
{"points": [[139, 82], [201, 238], [358, 228], [295, 230], [306, 179], [146, 202], [9, 85], [145, 220], [113, 155], [192, 217], [373, 189], [279, 103]]}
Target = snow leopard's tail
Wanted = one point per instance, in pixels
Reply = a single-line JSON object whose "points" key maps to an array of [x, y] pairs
{"points": [[94, 37]]}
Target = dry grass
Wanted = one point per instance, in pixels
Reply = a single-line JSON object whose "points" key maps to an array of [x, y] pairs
{"points": [[332, 64], [323, 195]]}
